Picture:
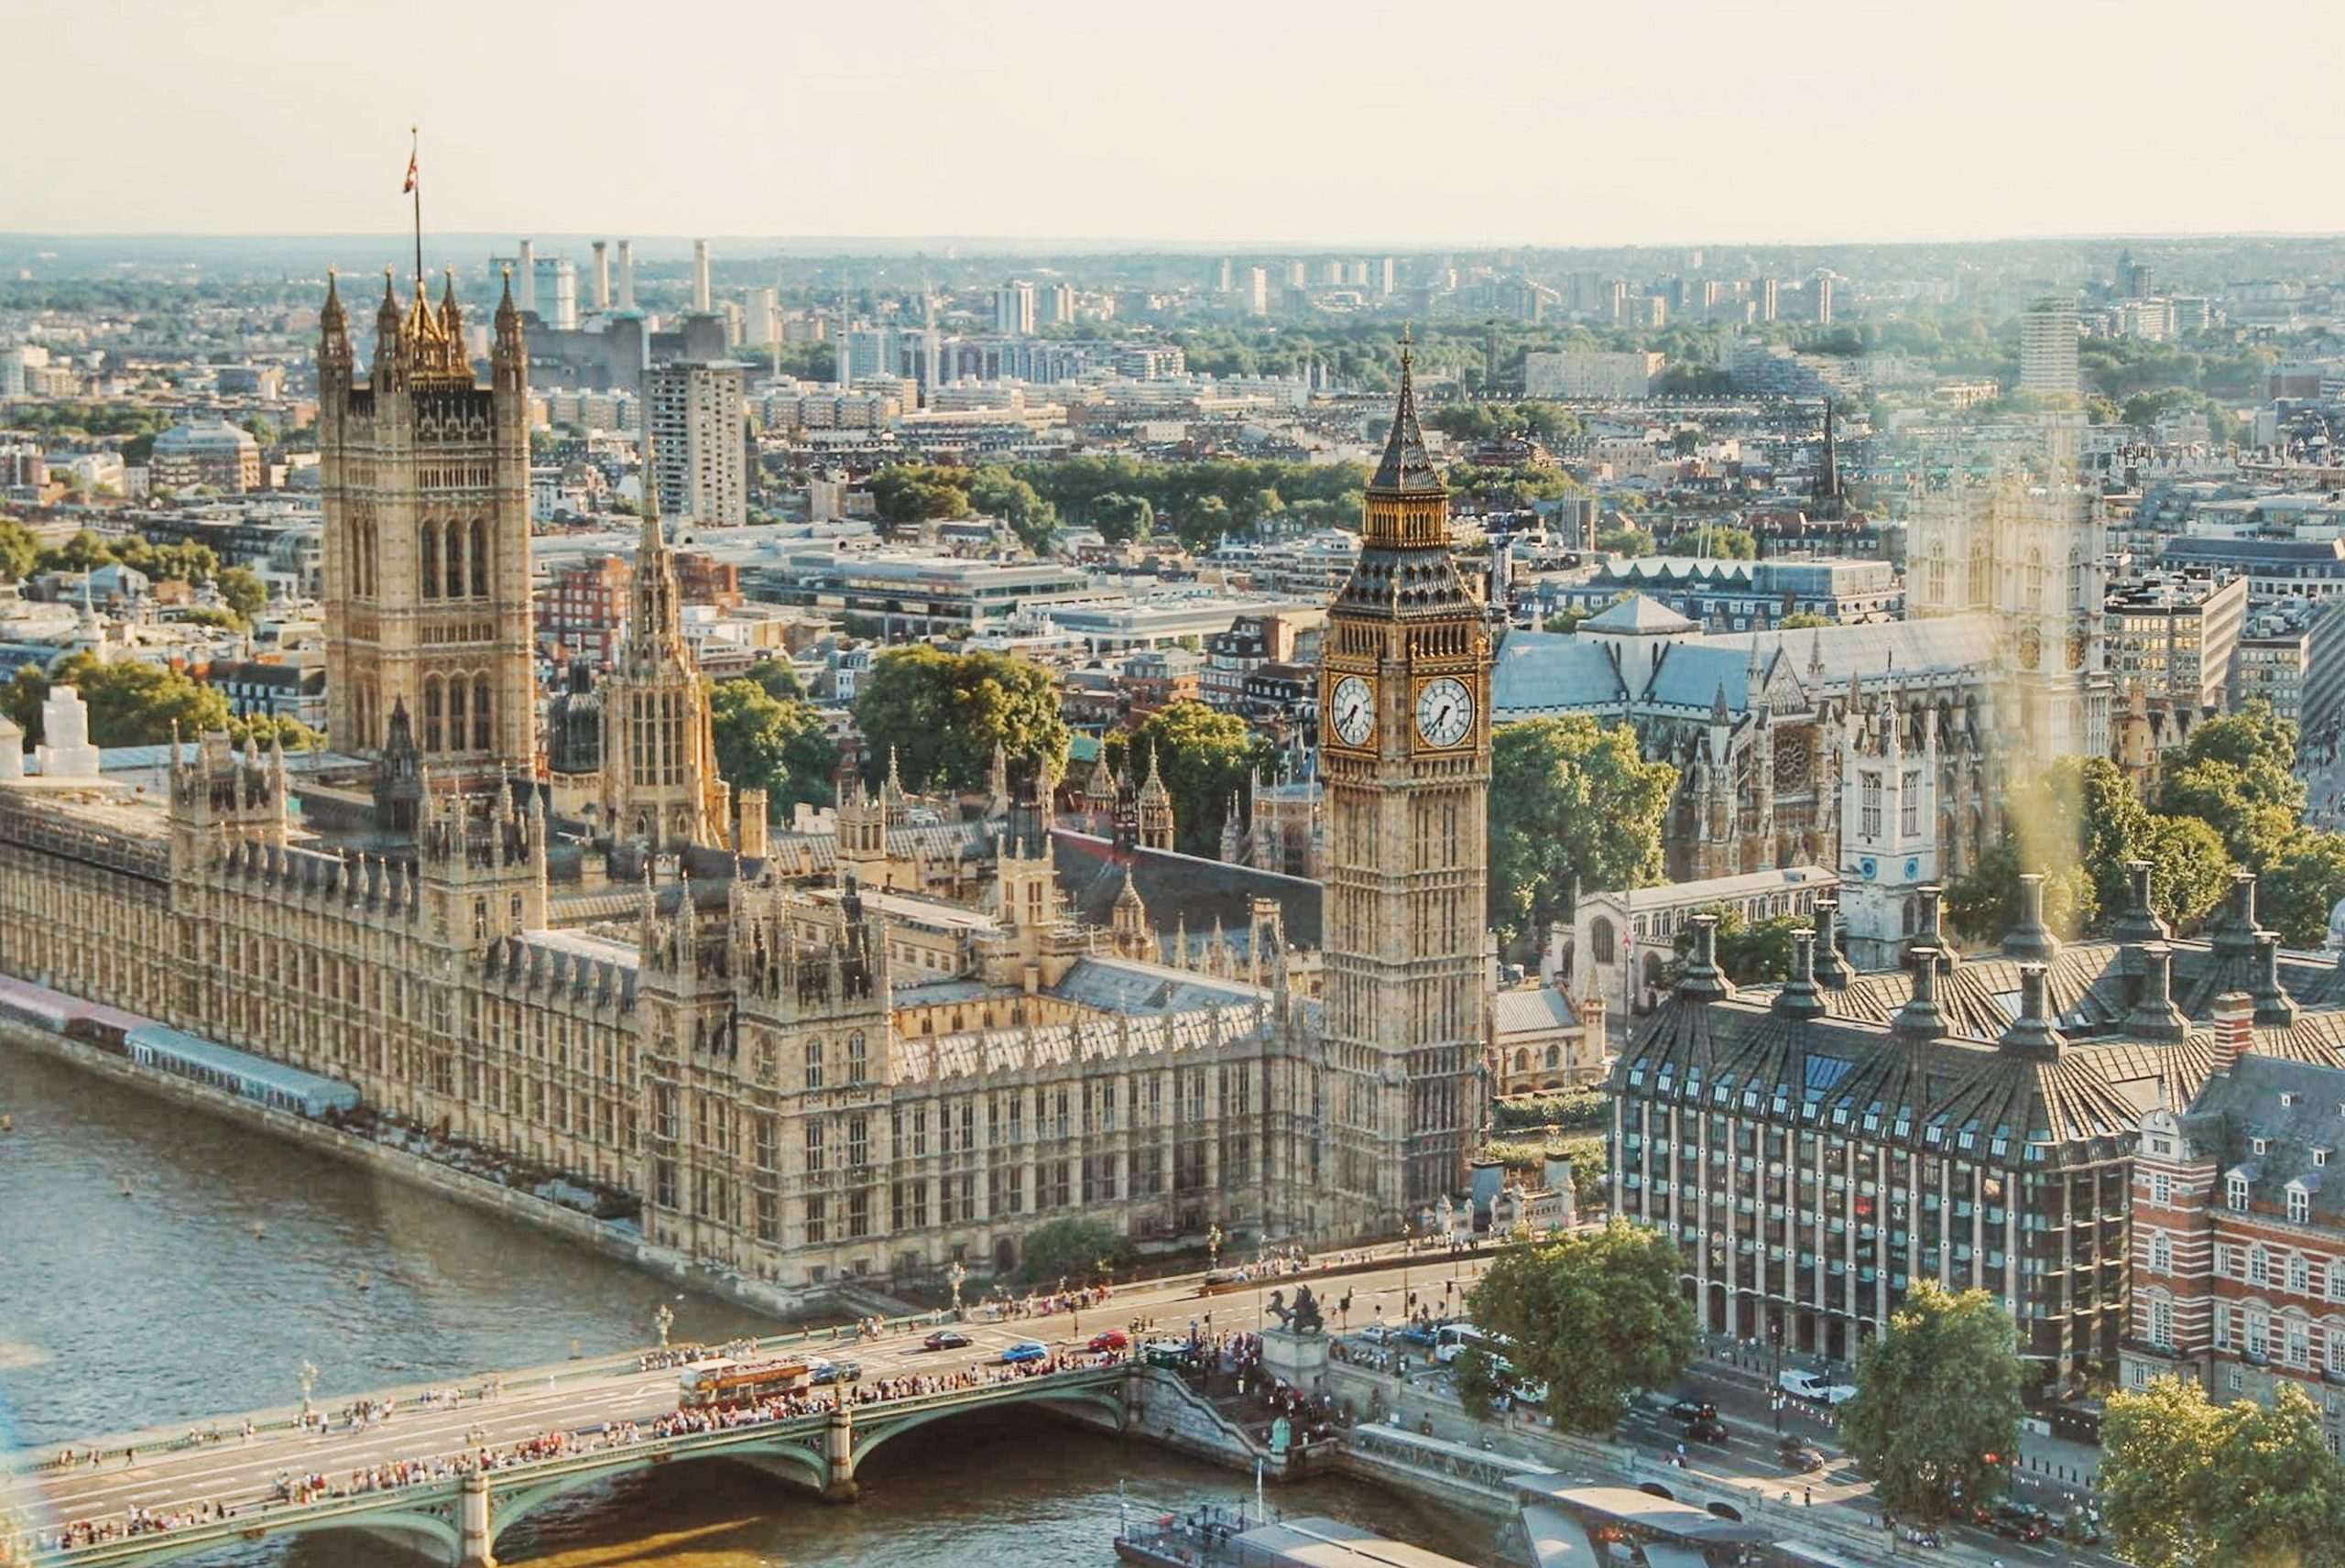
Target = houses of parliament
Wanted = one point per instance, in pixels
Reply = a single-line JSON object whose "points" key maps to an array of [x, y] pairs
{"points": [[807, 1064]]}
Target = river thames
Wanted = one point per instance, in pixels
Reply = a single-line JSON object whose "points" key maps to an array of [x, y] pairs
{"points": [[234, 1258]]}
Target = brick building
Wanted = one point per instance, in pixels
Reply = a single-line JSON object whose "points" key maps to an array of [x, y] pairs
{"points": [[2238, 1221]]}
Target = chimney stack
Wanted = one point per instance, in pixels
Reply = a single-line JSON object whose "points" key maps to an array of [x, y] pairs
{"points": [[2233, 1015], [602, 277], [527, 296], [2031, 1033], [2139, 921], [1921, 1018], [1702, 981], [1831, 969], [2031, 941], [2274, 1008], [699, 276], [2155, 1015], [2234, 936], [627, 274], [1799, 998]]}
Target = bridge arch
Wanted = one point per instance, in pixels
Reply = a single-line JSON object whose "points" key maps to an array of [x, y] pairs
{"points": [[795, 1460], [437, 1537], [1098, 1405]]}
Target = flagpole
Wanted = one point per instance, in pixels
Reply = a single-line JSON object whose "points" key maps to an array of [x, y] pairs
{"points": [[415, 188]]}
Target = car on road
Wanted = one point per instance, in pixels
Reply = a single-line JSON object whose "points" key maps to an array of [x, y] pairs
{"points": [[1421, 1334], [1800, 1455], [1692, 1409], [1814, 1388], [1707, 1429], [1025, 1350], [1110, 1339], [1165, 1352], [1375, 1334], [2019, 1521], [838, 1372], [946, 1339]]}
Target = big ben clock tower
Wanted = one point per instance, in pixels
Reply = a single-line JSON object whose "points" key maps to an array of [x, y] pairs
{"points": [[1405, 758]]}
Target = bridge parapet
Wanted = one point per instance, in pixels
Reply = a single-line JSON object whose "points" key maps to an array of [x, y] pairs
{"points": [[465, 1514]]}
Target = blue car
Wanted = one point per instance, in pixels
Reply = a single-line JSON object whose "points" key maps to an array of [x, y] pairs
{"points": [[1025, 1350]]}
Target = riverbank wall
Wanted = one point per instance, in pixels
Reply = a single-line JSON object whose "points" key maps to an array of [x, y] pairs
{"points": [[619, 1242]]}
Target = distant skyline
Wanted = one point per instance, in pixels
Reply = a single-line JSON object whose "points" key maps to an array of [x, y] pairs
{"points": [[1376, 126]]}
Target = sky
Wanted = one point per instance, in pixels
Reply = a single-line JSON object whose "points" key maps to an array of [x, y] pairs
{"points": [[1218, 122]]}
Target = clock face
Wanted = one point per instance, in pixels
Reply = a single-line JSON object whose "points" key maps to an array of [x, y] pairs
{"points": [[1444, 711], [2031, 647], [1352, 709]]}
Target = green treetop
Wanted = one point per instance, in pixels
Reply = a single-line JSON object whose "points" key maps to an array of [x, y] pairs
{"points": [[1938, 1408]]}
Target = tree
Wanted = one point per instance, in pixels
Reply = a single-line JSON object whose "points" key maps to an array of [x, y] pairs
{"points": [[999, 493], [1571, 800], [2295, 896], [1802, 620], [278, 729], [2193, 871], [1751, 955], [241, 590], [83, 552], [770, 743], [914, 493], [1592, 1315], [1122, 518], [2237, 774], [1205, 758], [942, 713], [2189, 1482], [1719, 543], [1624, 540], [2079, 823], [1936, 1418], [1073, 1248], [19, 550], [1984, 902], [1475, 1375], [775, 678], [130, 705]]}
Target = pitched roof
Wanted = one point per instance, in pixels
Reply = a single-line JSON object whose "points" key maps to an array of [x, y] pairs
{"points": [[1405, 468], [1638, 614]]}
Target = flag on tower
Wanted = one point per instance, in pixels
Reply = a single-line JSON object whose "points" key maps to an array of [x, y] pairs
{"points": [[411, 175]]}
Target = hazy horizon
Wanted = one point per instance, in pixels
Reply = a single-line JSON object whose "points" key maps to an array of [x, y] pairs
{"points": [[1510, 124]]}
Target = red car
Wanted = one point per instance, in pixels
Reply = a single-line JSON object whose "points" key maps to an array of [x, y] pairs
{"points": [[1110, 1339]]}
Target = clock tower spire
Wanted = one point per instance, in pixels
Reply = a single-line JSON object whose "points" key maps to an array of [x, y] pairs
{"points": [[1405, 755]]}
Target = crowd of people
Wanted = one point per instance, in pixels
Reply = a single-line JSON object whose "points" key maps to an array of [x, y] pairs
{"points": [[316, 1486]]}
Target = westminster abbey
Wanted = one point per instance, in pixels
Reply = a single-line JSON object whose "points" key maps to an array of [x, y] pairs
{"points": [[807, 1067]]}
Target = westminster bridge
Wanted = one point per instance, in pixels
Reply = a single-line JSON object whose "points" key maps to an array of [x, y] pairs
{"points": [[456, 1492]]}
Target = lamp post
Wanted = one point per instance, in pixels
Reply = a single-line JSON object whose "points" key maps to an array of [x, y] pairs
{"points": [[1407, 1241], [663, 1319], [1776, 1399], [308, 1377], [1214, 1238], [954, 1276]]}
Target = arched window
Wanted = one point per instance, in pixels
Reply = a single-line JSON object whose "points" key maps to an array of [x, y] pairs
{"points": [[480, 558], [2032, 591], [428, 578], [857, 1061], [432, 697], [455, 560], [1522, 1062], [1602, 942], [1982, 575], [455, 713], [480, 713]]}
